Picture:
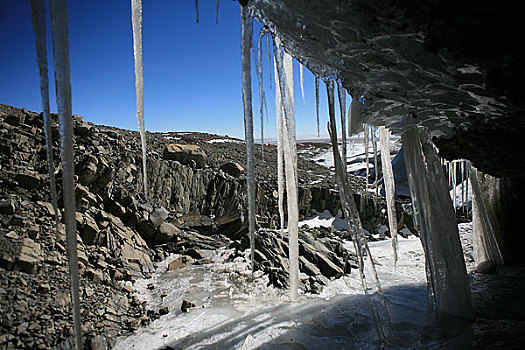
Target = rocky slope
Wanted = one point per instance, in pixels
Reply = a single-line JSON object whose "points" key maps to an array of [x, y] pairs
{"points": [[195, 201]]}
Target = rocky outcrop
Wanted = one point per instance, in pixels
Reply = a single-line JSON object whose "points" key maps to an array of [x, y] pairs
{"points": [[191, 155]]}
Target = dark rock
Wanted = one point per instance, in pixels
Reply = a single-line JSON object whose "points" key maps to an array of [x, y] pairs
{"points": [[164, 310], [186, 306], [487, 267], [232, 168], [7, 207], [185, 154], [30, 180]]}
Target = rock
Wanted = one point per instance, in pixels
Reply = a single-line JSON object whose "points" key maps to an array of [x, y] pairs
{"points": [[164, 310], [180, 262], [12, 234], [232, 168], [186, 305], [185, 154], [487, 267], [167, 232], [158, 216], [30, 180], [30, 256], [7, 207]]}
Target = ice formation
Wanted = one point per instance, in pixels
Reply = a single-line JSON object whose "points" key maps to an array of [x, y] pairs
{"points": [[367, 270], [262, 97], [301, 73], [136, 19], [484, 240], [217, 12], [389, 182], [341, 93], [39, 27], [448, 286], [246, 43], [279, 110], [317, 102], [197, 10], [60, 32], [284, 88], [376, 169], [355, 123]]}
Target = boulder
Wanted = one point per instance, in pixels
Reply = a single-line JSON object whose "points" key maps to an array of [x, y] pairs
{"points": [[166, 233], [232, 168], [7, 207], [30, 180], [180, 262], [158, 216], [191, 155], [29, 258]]}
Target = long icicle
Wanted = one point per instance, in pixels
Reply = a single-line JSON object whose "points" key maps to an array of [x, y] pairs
{"points": [[197, 10], [136, 19], [284, 77], [246, 43], [60, 31], [341, 93], [389, 183], [301, 73], [279, 109], [261, 89], [317, 103], [372, 288], [367, 170], [217, 13], [376, 169], [39, 27], [268, 39]]}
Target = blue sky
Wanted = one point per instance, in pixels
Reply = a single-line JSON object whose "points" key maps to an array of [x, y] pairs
{"points": [[192, 71]]}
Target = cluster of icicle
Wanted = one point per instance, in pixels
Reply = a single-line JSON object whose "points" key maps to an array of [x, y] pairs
{"points": [[458, 172], [60, 34]]}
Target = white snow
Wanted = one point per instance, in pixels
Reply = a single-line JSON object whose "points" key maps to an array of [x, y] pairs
{"points": [[224, 141]]}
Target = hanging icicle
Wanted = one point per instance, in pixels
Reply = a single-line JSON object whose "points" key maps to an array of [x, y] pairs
{"points": [[39, 27], [317, 103], [301, 73], [268, 39], [367, 271], [367, 170], [279, 111], [197, 10], [341, 93], [449, 289], [376, 169], [217, 12], [246, 43], [355, 124], [284, 84], [262, 97], [389, 183], [60, 32], [136, 18]]}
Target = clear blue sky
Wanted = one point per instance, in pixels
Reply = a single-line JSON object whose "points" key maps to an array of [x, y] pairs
{"points": [[192, 71]]}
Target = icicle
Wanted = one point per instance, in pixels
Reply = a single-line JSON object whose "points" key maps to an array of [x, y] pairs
{"points": [[449, 290], [454, 184], [317, 103], [467, 180], [367, 171], [389, 182], [196, 9], [301, 73], [60, 31], [136, 18], [246, 42], [279, 110], [367, 271], [285, 77], [355, 124], [341, 93], [217, 13], [39, 27], [462, 172], [268, 39], [376, 170], [261, 90]]}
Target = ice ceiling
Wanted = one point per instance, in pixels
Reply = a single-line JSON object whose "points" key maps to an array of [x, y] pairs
{"points": [[451, 66]]}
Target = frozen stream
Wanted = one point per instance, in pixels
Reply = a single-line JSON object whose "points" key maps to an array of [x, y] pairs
{"points": [[235, 311]]}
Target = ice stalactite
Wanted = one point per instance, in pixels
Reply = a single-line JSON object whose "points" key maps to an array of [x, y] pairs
{"points": [[367, 270], [355, 124], [197, 10], [389, 182], [136, 19], [367, 170], [454, 183], [60, 32], [217, 12], [39, 27], [284, 88], [246, 43], [376, 169], [317, 103], [279, 111], [448, 286], [486, 247], [467, 176], [268, 51], [301, 74], [262, 97], [341, 93]]}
